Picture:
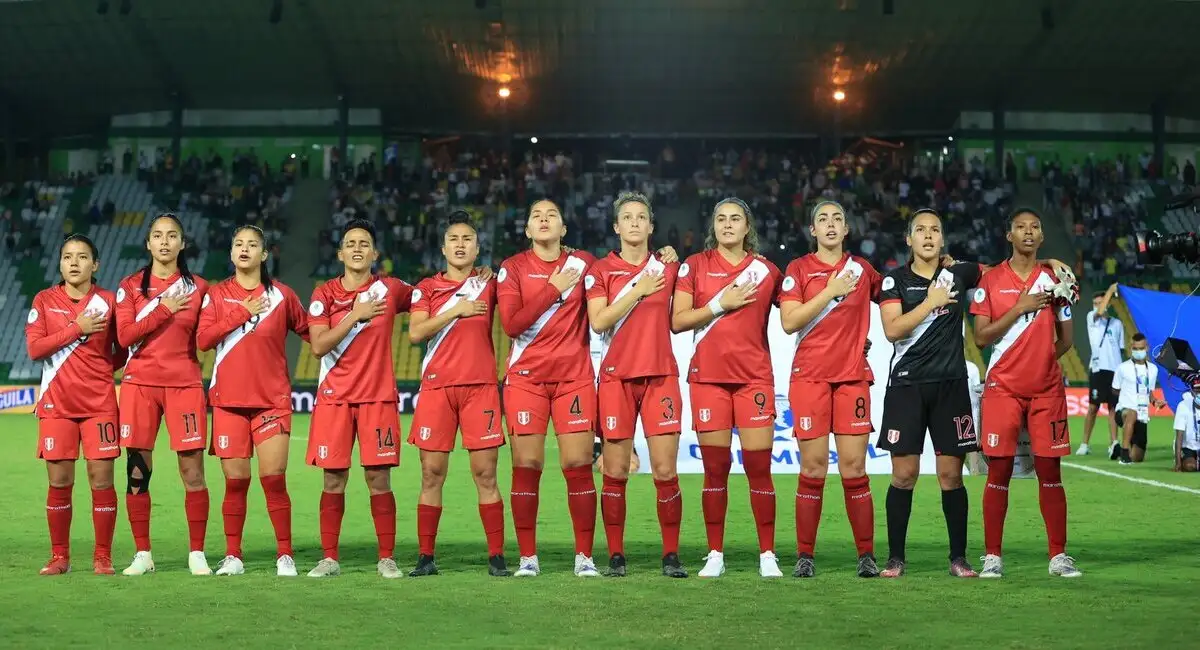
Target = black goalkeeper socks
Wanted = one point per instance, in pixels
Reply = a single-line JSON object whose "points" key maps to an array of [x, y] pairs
{"points": [[899, 509], [954, 507]]}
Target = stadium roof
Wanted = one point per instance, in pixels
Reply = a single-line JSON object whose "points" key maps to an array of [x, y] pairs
{"points": [[648, 66]]}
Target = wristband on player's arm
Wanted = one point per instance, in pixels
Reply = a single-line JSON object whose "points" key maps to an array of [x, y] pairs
{"points": [[715, 305]]}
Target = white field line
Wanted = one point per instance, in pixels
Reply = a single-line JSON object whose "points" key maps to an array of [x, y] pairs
{"points": [[1133, 479]]}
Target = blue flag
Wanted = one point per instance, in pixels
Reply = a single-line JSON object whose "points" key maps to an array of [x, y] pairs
{"points": [[1156, 314]]}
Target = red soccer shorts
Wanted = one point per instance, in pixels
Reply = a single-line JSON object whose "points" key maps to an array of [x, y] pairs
{"points": [[1045, 417], [717, 407], [334, 428], [143, 408], [820, 408], [59, 438], [237, 431], [529, 407], [655, 399], [442, 411]]}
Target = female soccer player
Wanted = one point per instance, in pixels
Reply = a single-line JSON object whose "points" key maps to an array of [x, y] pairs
{"points": [[730, 377], [351, 320], [452, 312], [70, 330], [825, 302], [246, 318], [158, 309], [629, 305]]}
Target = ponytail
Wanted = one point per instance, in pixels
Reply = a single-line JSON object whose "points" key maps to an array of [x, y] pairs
{"points": [[181, 262]]}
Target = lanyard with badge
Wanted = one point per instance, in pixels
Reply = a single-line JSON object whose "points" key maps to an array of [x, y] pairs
{"points": [[1143, 401], [1100, 345]]}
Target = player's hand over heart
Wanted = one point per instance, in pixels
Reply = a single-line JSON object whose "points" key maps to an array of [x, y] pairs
{"points": [[564, 279], [738, 295], [365, 310], [484, 272], [468, 308], [90, 322], [649, 284], [940, 295], [256, 306], [842, 285], [178, 302], [948, 261], [1031, 302], [668, 255]]}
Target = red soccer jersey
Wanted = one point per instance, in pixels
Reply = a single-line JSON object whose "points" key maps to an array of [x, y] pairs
{"points": [[250, 369], [462, 352], [549, 330], [1023, 362], [732, 348], [830, 347], [77, 370], [639, 345], [359, 369], [162, 345]]}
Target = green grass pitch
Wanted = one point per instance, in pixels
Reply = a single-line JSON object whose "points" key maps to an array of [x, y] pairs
{"points": [[1136, 543]]}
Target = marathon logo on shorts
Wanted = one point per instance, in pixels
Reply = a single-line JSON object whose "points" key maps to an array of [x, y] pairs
{"points": [[805, 423], [610, 423], [223, 442], [523, 417], [993, 440], [322, 451], [893, 436], [425, 433]]}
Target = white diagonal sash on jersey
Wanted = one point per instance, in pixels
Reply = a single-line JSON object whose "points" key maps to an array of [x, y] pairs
{"points": [[180, 287], [470, 291], [944, 278], [377, 291], [1014, 333], [51, 366], [652, 266], [525, 339], [756, 271], [275, 298], [830, 306]]}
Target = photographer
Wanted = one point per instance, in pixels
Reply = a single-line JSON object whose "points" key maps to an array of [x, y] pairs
{"points": [[1187, 432]]}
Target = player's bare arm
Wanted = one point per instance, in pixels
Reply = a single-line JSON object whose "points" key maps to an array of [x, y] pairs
{"points": [[422, 326], [948, 262], [1109, 294], [988, 332], [795, 315], [604, 316], [899, 325], [667, 255], [325, 338], [684, 318], [1064, 338]]}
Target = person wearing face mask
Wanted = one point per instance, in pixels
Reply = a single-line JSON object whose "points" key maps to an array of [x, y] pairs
{"points": [[1187, 432], [1133, 385]]}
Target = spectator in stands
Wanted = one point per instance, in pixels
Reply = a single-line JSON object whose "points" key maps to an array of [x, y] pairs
{"points": [[1189, 174]]}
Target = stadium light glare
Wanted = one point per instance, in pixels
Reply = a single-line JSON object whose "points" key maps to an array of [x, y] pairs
{"points": [[533, 140], [950, 138], [504, 92], [839, 95]]}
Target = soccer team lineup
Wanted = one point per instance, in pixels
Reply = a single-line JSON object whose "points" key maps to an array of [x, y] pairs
{"points": [[552, 300]]}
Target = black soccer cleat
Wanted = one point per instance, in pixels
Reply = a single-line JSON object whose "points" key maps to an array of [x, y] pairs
{"points": [[1114, 451], [497, 567], [867, 567], [616, 566], [671, 566], [804, 567], [426, 566]]}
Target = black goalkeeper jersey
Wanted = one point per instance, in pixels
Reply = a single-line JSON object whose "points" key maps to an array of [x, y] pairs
{"points": [[933, 351]]}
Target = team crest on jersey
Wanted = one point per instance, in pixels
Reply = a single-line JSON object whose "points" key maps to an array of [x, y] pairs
{"points": [[789, 283], [993, 440], [223, 442], [120, 294], [322, 451], [49, 444], [805, 423], [125, 431], [523, 417], [889, 283], [610, 422], [316, 308], [502, 275], [893, 435], [416, 296], [33, 316], [684, 269], [980, 295], [705, 415], [589, 282], [424, 433], [206, 302]]}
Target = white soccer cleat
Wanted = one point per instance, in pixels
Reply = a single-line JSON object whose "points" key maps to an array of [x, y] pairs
{"points": [[285, 566], [141, 565], [387, 568], [768, 565], [326, 568], [528, 567], [585, 567], [1063, 566], [714, 565], [230, 566], [993, 567], [198, 564], [1083, 450]]}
